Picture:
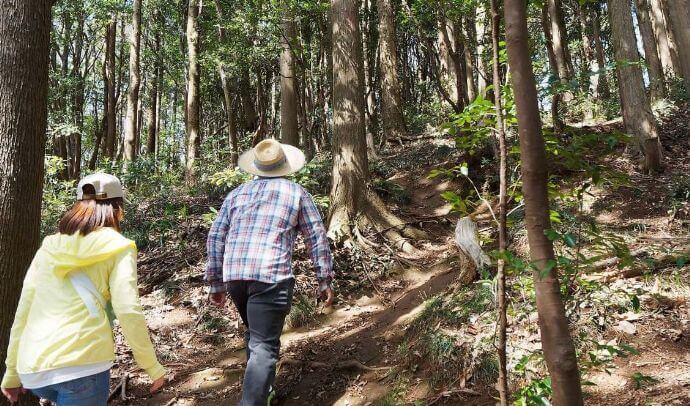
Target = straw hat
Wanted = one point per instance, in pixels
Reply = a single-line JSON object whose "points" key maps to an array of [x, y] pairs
{"points": [[271, 159]]}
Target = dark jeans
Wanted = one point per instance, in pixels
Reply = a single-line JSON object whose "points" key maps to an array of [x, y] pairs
{"points": [[88, 391], [263, 308]]}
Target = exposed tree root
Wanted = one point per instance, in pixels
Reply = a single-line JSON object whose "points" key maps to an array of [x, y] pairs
{"points": [[373, 213], [342, 365], [659, 262]]}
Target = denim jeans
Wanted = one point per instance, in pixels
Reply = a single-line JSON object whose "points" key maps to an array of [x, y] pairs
{"points": [[90, 390], [263, 308]]}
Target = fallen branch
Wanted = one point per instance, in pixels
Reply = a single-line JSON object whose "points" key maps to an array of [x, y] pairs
{"points": [[120, 389], [640, 269], [452, 392]]}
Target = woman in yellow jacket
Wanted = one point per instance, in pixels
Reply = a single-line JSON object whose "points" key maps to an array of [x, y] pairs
{"points": [[61, 344]]}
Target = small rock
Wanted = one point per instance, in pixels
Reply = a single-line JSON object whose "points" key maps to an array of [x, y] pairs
{"points": [[626, 327]]}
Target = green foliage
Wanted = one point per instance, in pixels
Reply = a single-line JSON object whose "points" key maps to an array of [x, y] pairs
{"points": [[536, 393], [58, 195], [641, 380]]}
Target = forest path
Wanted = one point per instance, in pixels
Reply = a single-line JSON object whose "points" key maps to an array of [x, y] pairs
{"points": [[341, 361]]}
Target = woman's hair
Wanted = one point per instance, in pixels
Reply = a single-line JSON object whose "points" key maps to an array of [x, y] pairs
{"points": [[89, 215]]}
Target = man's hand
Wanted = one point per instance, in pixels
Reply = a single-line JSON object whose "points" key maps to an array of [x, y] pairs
{"points": [[12, 394], [327, 296], [218, 299]]}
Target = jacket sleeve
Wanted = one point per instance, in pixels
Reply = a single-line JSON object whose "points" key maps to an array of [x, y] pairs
{"points": [[125, 300], [216, 248], [11, 378]]}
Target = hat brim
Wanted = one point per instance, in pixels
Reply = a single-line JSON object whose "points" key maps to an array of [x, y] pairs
{"points": [[294, 161]]}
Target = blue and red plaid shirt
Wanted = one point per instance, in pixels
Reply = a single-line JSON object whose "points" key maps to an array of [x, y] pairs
{"points": [[254, 235]]}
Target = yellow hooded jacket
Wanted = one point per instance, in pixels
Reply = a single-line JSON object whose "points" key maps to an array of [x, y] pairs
{"points": [[53, 328]]}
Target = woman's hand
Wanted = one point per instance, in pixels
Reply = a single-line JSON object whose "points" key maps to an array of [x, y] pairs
{"points": [[157, 384], [12, 394]]}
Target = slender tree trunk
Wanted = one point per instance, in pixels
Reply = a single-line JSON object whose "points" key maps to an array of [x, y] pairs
{"points": [[78, 96], [671, 34], [651, 55], [370, 52], [130, 151], [111, 113], [289, 129], [193, 79], [557, 345], [251, 118], [154, 96], [502, 385], [557, 97], [392, 115], [679, 11], [482, 74], [637, 113], [603, 89], [25, 40], [668, 58], [468, 36], [227, 95]]}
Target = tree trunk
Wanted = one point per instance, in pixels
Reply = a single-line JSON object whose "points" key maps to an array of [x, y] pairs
{"points": [[671, 34], [78, 97], [154, 96], [227, 95], [111, 113], [637, 113], [251, 118], [193, 78], [668, 57], [370, 51], [651, 55], [603, 89], [392, 115], [679, 10], [482, 74], [289, 129], [502, 384], [557, 97], [130, 151], [352, 202], [25, 40], [557, 345], [468, 36]]}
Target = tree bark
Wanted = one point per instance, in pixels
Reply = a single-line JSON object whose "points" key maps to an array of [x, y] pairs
{"points": [[603, 89], [667, 55], [193, 79], [352, 202], [502, 384], [557, 97], [227, 95], [651, 55], [132, 120], [153, 107], [468, 36], [289, 129], [671, 34], [251, 118], [679, 10], [637, 113], [482, 75], [370, 51], [111, 113], [25, 40], [392, 115], [557, 345], [78, 96]]}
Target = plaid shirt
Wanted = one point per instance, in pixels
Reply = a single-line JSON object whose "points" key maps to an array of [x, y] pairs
{"points": [[254, 234]]}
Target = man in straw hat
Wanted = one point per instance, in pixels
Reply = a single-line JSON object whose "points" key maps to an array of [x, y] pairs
{"points": [[250, 249]]}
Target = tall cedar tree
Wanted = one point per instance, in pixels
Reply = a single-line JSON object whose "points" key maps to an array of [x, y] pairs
{"points": [[227, 93], [25, 40], [392, 116], [637, 113], [193, 97], [131, 130], [289, 130], [557, 345], [353, 203]]}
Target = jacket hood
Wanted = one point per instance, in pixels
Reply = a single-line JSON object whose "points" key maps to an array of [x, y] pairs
{"points": [[68, 253]]}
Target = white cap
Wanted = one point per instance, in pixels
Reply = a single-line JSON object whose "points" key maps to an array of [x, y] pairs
{"points": [[106, 186]]}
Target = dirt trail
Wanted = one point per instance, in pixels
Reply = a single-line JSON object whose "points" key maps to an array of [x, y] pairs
{"points": [[319, 364]]}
